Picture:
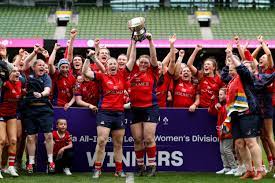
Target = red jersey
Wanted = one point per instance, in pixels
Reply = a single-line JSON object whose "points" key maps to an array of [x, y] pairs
{"points": [[209, 87], [10, 95], [221, 116], [112, 90], [143, 87], [162, 89], [63, 88], [184, 94], [89, 91], [60, 142], [271, 88], [94, 67]]}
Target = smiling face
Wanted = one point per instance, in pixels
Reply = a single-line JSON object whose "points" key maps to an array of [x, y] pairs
{"points": [[112, 66], [186, 73], [39, 67], [77, 63], [143, 63], [64, 69], [122, 60], [103, 55], [263, 62], [209, 67], [14, 75]]}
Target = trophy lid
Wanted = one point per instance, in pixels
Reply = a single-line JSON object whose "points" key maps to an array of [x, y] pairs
{"points": [[136, 22]]}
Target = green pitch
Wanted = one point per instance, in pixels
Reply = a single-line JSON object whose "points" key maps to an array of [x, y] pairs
{"points": [[109, 178]]}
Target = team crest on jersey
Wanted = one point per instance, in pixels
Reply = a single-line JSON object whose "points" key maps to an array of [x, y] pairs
{"points": [[110, 82]]}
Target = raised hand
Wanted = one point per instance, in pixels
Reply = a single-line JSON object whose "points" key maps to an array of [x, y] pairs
{"points": [[237, 39], [73, 33], [260, 38], [96, 42], [148, 36], [56, 46], [198, 47], [173, 39]]}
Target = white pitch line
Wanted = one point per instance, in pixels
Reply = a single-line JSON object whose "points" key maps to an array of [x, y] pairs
{"points": [[130, 178]]}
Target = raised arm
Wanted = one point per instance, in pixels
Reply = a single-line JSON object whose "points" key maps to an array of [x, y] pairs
{"points": [[132, 57], [52, 68], [86, 70], [29, 58], [129, 50], [96, 45], [256, 51], [19, 57], [239, 47], [171, 67], [267, 51], [92, 55], [153, 52], [191, 60], [178, 65], [73, 34]]}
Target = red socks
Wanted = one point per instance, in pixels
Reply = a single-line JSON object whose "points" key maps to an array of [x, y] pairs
{"points": [[98, 165], [140, 157], [11, 159], [118, 166], [151, 154]]}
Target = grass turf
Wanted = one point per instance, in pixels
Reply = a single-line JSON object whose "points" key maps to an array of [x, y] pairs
{"points": [[109, 178]]}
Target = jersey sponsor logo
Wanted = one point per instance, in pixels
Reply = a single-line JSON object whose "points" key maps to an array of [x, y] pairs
{"points": [[115, 92], [140, 84], [178, 93], [102, 122]]}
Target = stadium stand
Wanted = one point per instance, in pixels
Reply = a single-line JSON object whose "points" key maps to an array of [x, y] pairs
{"points": [[248, 23], [105, 23], [25, 22]]}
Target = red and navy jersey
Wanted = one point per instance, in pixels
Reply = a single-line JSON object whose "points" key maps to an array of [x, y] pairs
{"points": [[162, 89], [143, 87], [60, 142], [184, 93], [63, 88], [221, 116], [9, 98], [89, 92], [112, 90], [209, 87]]}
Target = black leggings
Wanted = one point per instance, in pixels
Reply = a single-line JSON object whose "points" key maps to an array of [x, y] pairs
{"points": [[65, 161]]}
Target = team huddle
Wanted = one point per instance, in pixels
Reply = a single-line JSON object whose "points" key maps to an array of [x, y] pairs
{"points": [[241, 95]]}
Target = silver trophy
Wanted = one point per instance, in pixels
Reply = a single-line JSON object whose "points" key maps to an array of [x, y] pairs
{"points": [[137, 26]]}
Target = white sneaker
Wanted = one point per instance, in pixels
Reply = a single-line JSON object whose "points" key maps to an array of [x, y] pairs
{"points": [[265, 169], [224, 170], [274, 176], [12, 171], [240, 171], [231, 172], [67, 171], [97, 174], [1, 177]]}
